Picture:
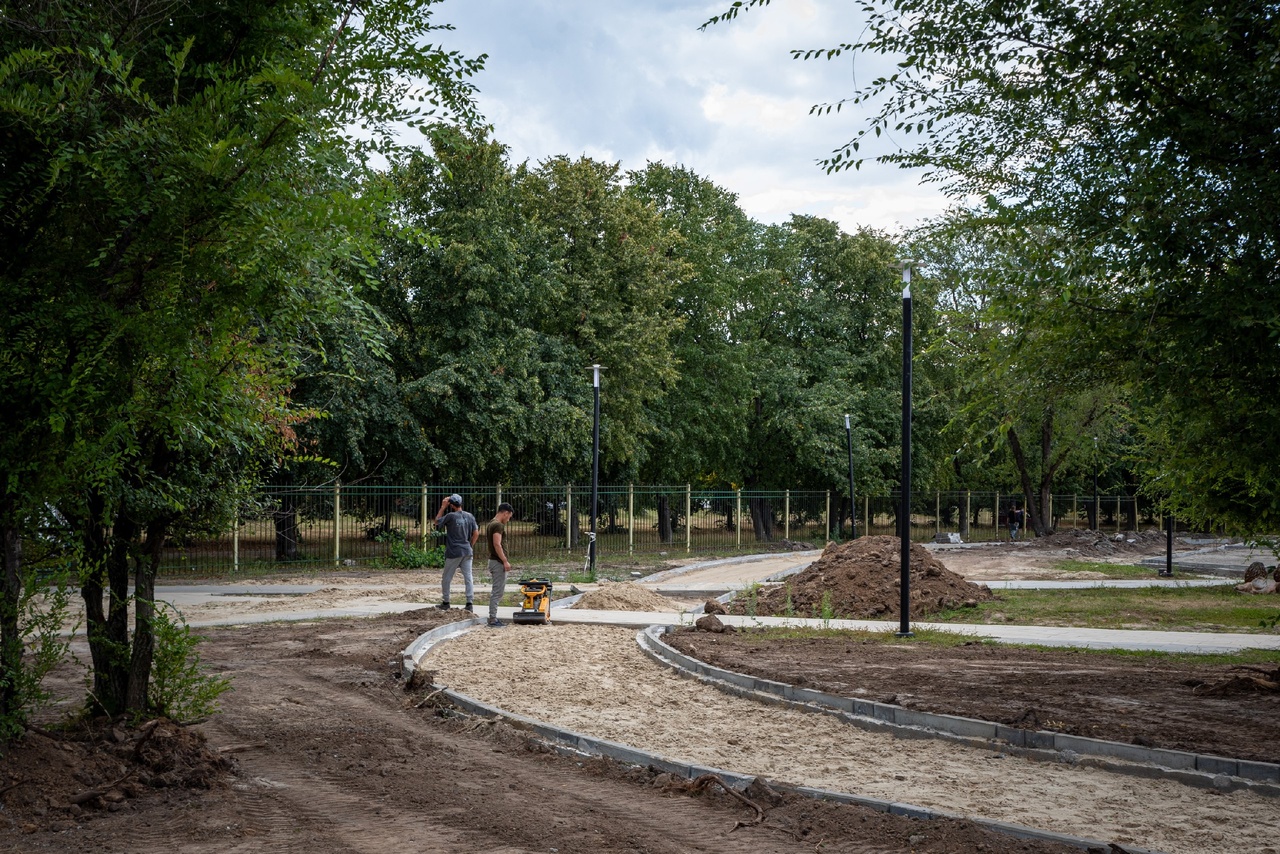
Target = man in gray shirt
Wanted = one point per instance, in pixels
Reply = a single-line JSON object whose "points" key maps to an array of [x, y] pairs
{"points": [[460, 535]]}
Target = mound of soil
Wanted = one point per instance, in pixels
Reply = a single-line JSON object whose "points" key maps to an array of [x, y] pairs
{"points": [[624, 596], [102, 769], [863, 579], [1098, 543]]}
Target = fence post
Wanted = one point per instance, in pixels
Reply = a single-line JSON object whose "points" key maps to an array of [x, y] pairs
{"points": [[786, 514], [737, 515], [568, 517], [937, 512], [631, 518], [866, 512], [422, 513], [1050, 527], [828, 536], [1074, 510], [967, 517], [688, 518], [337, 524], [499, 495], [1117, 514], [235, 547], [995, 520]]}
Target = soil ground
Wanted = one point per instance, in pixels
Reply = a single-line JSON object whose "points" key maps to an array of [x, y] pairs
{"points": [[1146, 700], [318, 748]]}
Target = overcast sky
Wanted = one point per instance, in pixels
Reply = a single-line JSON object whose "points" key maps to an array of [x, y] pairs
{"points": [[635, 80]]}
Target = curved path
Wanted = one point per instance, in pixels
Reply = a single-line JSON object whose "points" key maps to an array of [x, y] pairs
{"points": [[595, 680]]}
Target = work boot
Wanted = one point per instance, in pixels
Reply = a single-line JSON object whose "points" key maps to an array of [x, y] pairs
{"points": [[469, 607], [495, 623], [443, 606]]}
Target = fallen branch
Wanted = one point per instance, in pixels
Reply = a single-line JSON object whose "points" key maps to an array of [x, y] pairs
{"points": [[705, 780], [12, 786], [99, 791]]}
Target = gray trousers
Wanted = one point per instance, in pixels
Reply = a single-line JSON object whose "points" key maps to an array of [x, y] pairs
{"points": [[451, 565], [499, 582]]}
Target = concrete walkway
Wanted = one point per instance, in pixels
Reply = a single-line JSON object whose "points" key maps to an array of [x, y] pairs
{"points": [[710, 578]]}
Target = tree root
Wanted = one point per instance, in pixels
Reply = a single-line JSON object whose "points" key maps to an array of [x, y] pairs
{"points": [[701, 782]]}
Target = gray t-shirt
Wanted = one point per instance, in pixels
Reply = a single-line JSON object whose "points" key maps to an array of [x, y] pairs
{"points": [[458, 526]]}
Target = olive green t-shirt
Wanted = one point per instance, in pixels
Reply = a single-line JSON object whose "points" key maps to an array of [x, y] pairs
{"points": [[492, 528]]}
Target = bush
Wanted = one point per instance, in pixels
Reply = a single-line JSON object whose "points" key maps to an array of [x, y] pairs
{"points": [[40, 646], [403, 555], [179, 687]]}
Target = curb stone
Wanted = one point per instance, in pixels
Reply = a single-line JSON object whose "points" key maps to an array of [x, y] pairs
{"points": [[568, 740], [1201, 770]]}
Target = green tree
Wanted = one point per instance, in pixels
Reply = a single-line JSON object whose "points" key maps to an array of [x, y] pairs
{"points": [[1146, 131], [181, 204]]}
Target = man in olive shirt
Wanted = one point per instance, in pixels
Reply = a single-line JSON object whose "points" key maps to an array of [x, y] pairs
{"points": [[499, 565]]}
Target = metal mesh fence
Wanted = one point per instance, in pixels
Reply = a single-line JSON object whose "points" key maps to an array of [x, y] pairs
{"points": [[331, 526]]}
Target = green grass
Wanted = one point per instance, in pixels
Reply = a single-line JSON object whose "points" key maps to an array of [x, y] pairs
{"points": [[1196, 609], [1107, 570]]}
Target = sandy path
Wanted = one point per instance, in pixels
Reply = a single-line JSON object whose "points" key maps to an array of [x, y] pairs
{"points": [[595, 680]]}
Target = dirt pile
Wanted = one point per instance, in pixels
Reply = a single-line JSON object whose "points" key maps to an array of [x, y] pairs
{"points": [[861, 579], [1099, 543], [73, 773], [624, 596]]}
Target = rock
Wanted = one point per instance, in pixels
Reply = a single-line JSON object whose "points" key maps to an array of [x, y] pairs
{"points": [[711, 606], [710, 623]]}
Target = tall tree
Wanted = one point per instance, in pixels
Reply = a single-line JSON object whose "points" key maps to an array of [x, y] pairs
{"points": [[180, 204], [1146, 131]]}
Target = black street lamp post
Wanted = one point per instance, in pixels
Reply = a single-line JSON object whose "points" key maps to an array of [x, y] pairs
{"points": [[595, 469], [904, 515], [853, 505]]}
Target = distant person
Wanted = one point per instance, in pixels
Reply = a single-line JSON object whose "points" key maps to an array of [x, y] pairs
{"points": [[495, 534], [1016, 518], [460, 535]]}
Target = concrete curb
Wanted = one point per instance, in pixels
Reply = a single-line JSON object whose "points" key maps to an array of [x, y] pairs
{"points": [[1215, 773], [584, 744]]}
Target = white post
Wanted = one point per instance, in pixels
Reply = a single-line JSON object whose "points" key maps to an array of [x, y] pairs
{"points": [[337, 525], [738, 514], [688, 518], [422, 512], [235, 547], [996, 519], [828, 536], [937, 512], [631, 518], [786, 514], [568, 517]]}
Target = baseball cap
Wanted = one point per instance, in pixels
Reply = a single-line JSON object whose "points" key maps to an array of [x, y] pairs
{"points": [[455, 499]]}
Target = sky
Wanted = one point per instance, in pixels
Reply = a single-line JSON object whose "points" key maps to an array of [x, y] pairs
{"points": [[632, 81]]}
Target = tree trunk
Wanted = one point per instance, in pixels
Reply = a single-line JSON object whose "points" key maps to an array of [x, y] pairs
{"points": [[286, 519], [106, 570], [11, 699], [1024, 476], [144, 593], [665, 532], [761, 519]]}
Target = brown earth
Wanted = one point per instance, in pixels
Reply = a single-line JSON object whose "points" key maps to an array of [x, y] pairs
{"points": [[1134, 699], [862, 580], [625, 596], [319, 749]]}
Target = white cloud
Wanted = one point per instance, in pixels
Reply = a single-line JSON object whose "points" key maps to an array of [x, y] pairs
{"points": [[631, 82]]}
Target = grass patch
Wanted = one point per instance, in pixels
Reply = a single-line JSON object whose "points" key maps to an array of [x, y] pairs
{"points": [[1107, 570], [1190, 609]]}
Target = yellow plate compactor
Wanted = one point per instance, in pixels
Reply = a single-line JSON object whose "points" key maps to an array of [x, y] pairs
{"points": [[536, 609]]}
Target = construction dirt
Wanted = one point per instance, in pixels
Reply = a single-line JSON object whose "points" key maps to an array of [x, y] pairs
{"points": [[626, 596], [319, 749], [861, 579]]}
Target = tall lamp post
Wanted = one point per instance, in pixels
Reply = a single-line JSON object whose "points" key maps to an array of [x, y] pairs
{"points": [[853, 506], [904, 515], [595, 469]]}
